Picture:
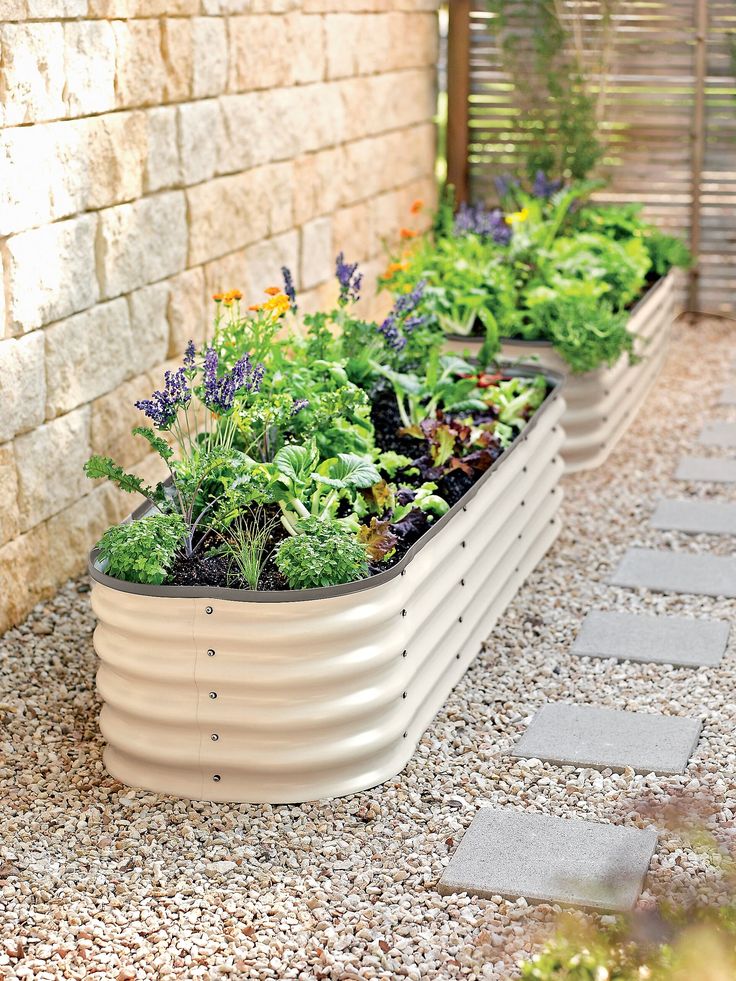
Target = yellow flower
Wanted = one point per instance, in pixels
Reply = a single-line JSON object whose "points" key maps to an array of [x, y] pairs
{"points": [[235, 295], [279, 304], [517, 216]]}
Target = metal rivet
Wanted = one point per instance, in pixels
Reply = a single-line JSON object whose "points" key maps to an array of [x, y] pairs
{"points": [[462, 582], [210, 653], [214, 737], [406, 734], [465, 509], [457, 657], [403, 572], [216, 777], [523, 469], [462, 544], [213, 694], [459, 619], [403, 694], [403, 613], [523, 503], [208, 609], [404, 653]]}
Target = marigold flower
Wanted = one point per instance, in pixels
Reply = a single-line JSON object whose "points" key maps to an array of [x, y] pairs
{"points": [[235, 295], [416, 206], [272, 290], [227, 300], [255, 306], [279, 304], [217, 297], [394, 267], [407, 233]]}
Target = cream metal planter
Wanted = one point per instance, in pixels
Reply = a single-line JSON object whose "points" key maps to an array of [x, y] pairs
{"points": [[276, 697], [601, 404]]}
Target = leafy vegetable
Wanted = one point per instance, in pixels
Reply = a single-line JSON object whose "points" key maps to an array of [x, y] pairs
{"points": [[321, 554], [142, 551]]}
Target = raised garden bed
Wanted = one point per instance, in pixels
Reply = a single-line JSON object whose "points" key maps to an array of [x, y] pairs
{"points": [[601, 404], [286, 696]]}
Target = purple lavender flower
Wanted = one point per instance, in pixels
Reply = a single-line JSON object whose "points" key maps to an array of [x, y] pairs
{"points": [[504, 183], [395, 340], [543, 187], [349, 278], [163, 406], [298, 405], [190, 355], [220, 392], [478, 220], [411, 323], [289, 287]]}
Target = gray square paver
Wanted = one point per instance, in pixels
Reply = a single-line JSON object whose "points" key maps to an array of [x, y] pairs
{"points": [[682, 641], [716, 469], [707, 517], [728, 395], [550, 860], [718, 433], [677, 572], [584, 735]]}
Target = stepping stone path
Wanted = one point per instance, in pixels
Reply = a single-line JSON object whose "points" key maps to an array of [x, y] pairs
{"points": [[713, 469], [709, 517], [550, 859], [681, 641], [677, 572], [718, 433], [583, 735]]}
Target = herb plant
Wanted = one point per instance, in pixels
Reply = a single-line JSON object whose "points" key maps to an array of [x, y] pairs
{"points": [[322, 554], [142, 551]]}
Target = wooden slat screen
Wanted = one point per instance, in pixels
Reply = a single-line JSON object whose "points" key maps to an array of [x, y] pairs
{"points": [[647, 125]]}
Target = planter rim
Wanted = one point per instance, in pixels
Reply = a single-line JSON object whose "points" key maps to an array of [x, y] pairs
{"points": [[524, 342], [556, 379]]}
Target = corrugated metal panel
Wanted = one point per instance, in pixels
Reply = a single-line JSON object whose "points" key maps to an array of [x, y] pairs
{"points": [[277, 702], [647, 125]]}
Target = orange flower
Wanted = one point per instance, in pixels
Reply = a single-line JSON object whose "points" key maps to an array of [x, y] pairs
{"points": [[255, 306], [416, 206], [394, 267], [217, 297], [279, 304], [272, 290], [227, 300], [407, 233], [235, 295]]}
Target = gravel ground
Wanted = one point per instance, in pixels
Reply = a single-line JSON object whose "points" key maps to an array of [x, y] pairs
{"points": [[100, 880]]}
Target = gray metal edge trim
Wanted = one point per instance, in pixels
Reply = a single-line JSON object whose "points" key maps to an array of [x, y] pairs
{"points": [[328, 592], [523, 342]]}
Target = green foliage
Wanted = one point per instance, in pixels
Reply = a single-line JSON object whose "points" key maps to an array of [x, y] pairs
{"points": [[585, 331], [98, 467], [701, 946], [558, 95], [321, 554], [249, 532], [142, 551], [466, 279]]}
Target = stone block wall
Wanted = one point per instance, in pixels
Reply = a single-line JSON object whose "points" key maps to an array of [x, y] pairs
{"points": [[153, 152]]}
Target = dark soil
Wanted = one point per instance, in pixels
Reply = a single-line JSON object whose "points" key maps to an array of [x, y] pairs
{"points": [[387, 423]]}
